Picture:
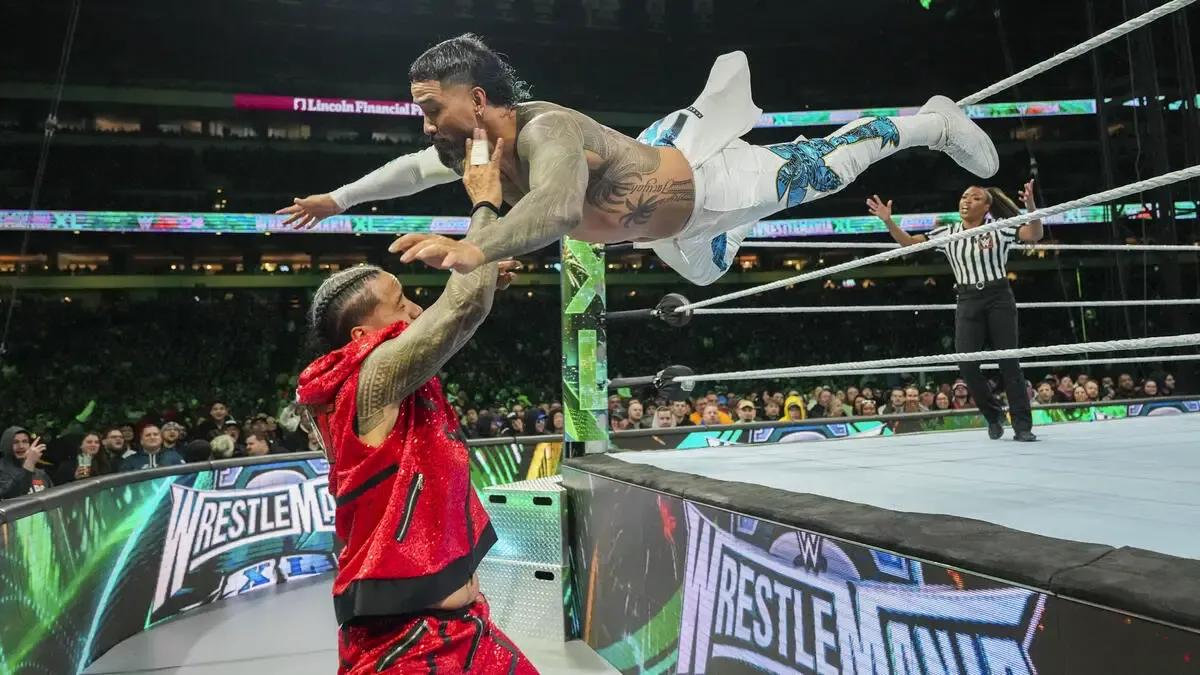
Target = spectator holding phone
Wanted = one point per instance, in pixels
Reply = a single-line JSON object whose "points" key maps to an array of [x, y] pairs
{"points": [[19, 472]]}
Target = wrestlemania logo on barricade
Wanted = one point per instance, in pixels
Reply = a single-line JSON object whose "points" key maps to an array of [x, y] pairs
{"points": [[800, 603], [256, 526], [89, 568], [670, 586]]}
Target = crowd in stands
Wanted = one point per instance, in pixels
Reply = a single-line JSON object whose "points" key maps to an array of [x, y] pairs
{"points": [[717, 407], [31, 463], [96, 388]]}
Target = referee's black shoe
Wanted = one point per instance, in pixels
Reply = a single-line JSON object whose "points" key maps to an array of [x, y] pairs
{"points": [[1024, 436], [995, 430]]}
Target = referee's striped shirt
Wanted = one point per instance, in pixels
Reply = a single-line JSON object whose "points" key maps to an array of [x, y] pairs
{"points": [[979, 259]]}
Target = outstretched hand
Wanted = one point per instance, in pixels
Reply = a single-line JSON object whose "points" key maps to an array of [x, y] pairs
{"points": [[879, 209], [1027, 196], [34, 454], [439, 252], [306, 212]]}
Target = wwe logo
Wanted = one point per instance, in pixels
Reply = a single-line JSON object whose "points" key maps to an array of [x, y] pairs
{"points": [[802, 548]]}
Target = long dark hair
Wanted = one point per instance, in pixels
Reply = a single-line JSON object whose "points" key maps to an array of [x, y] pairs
{"points": [[101, 462], [338, 305], [467, 60], [1000, 205], [483, 426]]}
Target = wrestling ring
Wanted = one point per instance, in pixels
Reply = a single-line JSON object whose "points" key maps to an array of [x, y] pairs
{"points": [[729, 549], [935, 551]]}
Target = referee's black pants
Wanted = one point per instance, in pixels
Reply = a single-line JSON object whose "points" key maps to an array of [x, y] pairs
{"points": [[989, 315]]}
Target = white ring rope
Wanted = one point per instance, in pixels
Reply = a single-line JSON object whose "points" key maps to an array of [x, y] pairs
{"points": [[831, 245], [1187, 340], [1029, 365], [1078, 50], [883, 256], [1086, 304]]}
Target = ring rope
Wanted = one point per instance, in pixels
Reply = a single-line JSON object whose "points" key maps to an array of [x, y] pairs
{"points": [[1025, 247], [1025, 365], [1186, 340], [1162, 358], [883, 256], [937, 308], [1076, 51]]}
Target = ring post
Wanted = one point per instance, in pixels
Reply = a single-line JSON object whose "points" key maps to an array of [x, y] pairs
{"points": [[585, 349]]}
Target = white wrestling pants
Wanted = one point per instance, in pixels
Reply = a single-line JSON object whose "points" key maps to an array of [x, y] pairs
{"points": [[745, 183]]}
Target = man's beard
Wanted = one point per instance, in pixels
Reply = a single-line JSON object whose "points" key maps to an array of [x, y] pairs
{"points": [[452, 155]]}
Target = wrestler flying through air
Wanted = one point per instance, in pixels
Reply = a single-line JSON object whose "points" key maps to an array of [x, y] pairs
{"points": [[688, 184]]}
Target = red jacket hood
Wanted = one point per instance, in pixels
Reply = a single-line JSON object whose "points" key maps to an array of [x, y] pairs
{"points": [[323, 379]]}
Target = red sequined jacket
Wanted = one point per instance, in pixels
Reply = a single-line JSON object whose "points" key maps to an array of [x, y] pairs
{"points": [[413, 527]]}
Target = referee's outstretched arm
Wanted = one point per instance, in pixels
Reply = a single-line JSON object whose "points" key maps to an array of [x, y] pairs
{"points": [[1031, 232], [884, 212]]}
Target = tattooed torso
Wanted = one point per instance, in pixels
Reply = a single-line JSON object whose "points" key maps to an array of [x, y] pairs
{"points": [[635, 191]]}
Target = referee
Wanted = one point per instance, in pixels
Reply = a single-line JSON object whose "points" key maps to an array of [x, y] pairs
{"points": [[987, 310]]}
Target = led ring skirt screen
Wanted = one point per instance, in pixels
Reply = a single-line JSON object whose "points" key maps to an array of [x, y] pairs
{"points": [[87, 565], [680, 574], [672, 585]]}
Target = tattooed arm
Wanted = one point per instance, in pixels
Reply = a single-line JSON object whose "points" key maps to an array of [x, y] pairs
{"points": [[401, 365], [552, 143]]}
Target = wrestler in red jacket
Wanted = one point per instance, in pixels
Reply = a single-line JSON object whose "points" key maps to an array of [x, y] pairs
{"points": [[406, 596]]}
